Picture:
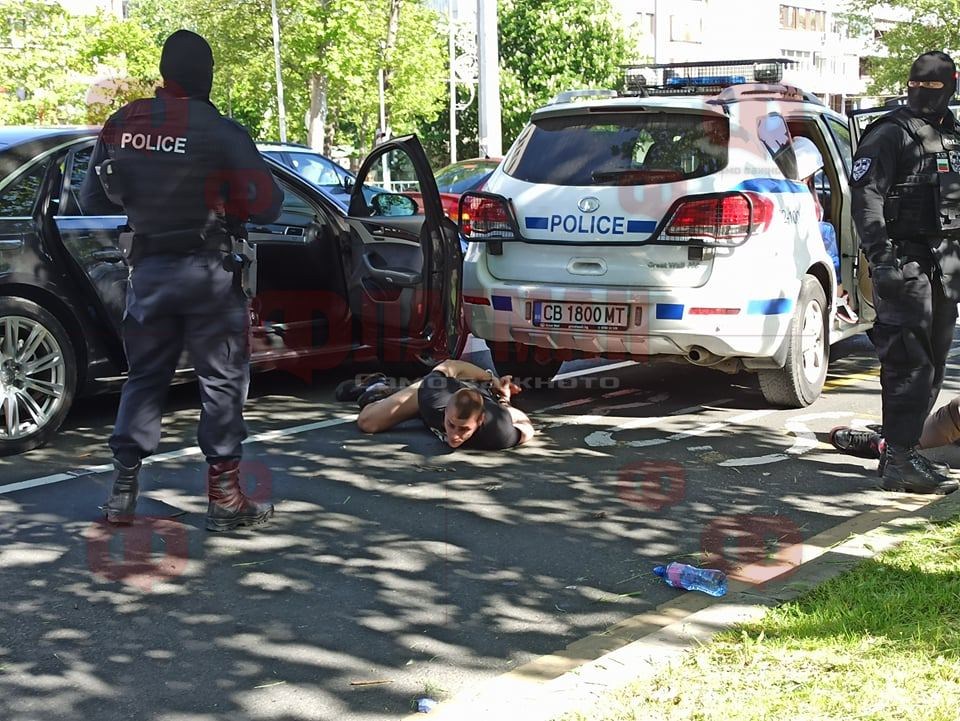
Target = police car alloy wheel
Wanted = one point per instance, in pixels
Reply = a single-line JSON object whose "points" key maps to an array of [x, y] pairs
{"points": [[799, 382], [38, 375]]}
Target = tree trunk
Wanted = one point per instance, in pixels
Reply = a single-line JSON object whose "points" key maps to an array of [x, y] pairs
{"points": [[392, 26], [316, 131]]}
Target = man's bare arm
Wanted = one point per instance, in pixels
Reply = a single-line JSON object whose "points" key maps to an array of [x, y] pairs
{"points": [[463, 371], [521, 422]]}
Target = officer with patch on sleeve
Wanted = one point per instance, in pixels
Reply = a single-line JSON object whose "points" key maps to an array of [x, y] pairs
{"points": [[188, 178], [906, 207]]}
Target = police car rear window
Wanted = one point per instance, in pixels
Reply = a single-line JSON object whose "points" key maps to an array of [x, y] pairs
{"points": [[620, 149]]}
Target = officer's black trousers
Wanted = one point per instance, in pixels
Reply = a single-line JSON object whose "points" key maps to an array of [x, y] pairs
{"points": [[176, 303], [912, 334]]}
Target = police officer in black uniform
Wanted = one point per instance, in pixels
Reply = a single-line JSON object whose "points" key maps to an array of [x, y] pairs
{"points": [[906, 206], [187, 178]]}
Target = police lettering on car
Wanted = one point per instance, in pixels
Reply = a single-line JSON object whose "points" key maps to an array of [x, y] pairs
{"points": [[187, 178], [906, 206]]}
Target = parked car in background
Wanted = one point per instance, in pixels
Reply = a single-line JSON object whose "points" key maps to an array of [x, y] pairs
{"points": [[367, 278], [329, 176], [457, 178]]}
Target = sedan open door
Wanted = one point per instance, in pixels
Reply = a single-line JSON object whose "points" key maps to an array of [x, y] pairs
{"points": [[405, 258]]}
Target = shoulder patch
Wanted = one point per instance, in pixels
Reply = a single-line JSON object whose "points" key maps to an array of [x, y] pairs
{"points": [[861, 166]]}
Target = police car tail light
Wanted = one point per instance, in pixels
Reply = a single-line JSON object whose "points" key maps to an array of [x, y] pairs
{"points": [[723, 217], [483, 216]]}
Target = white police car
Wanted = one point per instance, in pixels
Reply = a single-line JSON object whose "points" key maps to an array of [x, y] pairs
{"points": [[669, 225]]}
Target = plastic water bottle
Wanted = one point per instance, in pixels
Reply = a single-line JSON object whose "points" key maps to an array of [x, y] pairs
{"points": [[690, 578]]}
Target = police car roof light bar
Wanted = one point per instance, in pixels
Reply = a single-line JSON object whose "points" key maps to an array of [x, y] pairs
{"points": [[764, 91], [701, 77]]}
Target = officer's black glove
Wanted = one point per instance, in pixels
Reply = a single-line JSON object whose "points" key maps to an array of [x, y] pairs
{"points": [[887, 280]]}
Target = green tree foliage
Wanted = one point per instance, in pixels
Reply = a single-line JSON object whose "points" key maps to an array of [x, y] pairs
{"points": [[548, 46], [927, 25], [330, 44], [58, 68]]}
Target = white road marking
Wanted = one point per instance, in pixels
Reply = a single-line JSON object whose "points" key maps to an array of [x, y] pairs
{"points": [[604, 439], [594, 369], [265, 436], [180, 453], [805, 441], [701, 431]]}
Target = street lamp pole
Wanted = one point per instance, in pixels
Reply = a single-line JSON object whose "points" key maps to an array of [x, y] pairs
{"points": [[491, 140], [453, 85], [281, 111]]}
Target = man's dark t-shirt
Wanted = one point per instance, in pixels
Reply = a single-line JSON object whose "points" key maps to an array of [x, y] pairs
{"points": [[497, 431]]}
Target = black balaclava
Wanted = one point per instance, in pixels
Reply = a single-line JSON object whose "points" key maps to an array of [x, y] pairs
{"points": [[186, 65], [932, 104]]}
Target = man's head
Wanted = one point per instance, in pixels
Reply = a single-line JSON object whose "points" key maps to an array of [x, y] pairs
{"points": [[462, 416], [186, 65], [932, 83]]}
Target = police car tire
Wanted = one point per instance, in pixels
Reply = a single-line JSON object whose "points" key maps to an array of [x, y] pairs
{"points": [[13, 306], [788, 387], [525, 363]]}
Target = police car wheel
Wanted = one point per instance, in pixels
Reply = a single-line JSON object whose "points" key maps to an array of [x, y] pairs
{"points": [[525, 363], [38, 375], [799, 382]]}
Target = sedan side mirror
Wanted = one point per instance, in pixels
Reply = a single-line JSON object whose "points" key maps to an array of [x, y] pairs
{"points": [[393, 204]]}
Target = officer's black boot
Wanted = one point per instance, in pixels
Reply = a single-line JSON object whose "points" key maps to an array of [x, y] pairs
{"points": [[119, 508], [229, 508], [903, 469]]}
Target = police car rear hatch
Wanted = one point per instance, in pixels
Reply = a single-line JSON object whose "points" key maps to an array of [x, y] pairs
{"points": [[601, 197]]}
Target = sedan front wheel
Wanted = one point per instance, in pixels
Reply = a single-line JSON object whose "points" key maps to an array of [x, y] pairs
{"points": [[38, 375]]}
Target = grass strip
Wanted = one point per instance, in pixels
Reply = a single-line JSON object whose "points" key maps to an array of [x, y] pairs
{"points": [[878, 643]]}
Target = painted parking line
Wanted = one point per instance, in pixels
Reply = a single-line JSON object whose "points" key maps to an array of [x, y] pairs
{"points": [[593, 369], [338, 419], [179, 453]]}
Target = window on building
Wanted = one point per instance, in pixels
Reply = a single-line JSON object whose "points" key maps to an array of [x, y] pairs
{"points": [[797, 18]]}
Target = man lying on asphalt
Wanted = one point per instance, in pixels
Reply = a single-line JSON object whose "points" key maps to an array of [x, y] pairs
{"points": [[461, 403]]}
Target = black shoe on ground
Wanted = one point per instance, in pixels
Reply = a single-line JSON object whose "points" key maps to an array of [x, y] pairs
{"points": [[351, 390], [856, 442], [122, 503], [903, 469], [229, 508], [375, 393]]}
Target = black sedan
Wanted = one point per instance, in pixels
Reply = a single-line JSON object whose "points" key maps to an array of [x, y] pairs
{"points": [[378, 281]]}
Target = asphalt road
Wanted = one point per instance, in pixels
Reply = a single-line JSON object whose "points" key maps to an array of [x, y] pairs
{"points": [[391, 558]]}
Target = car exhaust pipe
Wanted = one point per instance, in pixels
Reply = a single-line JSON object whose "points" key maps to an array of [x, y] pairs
{"points": [[702, 357]]}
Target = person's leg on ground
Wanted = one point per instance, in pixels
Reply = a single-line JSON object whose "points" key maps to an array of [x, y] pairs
{"points": [[903, 341], [152, 351], [942, 427], [219, 348], [943, 322]]}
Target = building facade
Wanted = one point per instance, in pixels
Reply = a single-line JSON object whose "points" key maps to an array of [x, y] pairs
{"points": [[829, 55]]}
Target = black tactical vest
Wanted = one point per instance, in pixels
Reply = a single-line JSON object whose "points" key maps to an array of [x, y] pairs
{"points": [[926, 204]]}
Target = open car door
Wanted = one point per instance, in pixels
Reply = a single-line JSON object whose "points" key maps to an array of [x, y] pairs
{"points": [[859, 121], [405, 259]]}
